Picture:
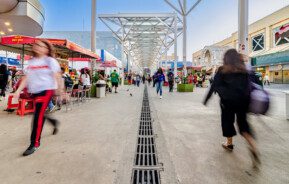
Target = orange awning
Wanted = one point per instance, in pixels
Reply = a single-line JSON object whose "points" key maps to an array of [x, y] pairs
{"points": [[61, 45]]}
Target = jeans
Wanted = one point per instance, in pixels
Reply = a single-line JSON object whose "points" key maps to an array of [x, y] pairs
{"points": [[50, 105], [159, 85]]}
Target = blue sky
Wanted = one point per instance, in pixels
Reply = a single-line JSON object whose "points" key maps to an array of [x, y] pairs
{"points": [[211, 21]]}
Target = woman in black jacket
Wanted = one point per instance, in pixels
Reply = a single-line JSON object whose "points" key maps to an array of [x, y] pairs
{"points": [[3, 79], [231, 82]]}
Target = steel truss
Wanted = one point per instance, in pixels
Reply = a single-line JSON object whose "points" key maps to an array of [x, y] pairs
{"points": [[144, 37]]}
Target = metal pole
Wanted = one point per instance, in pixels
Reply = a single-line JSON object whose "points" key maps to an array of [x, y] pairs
{"points": [[176, 46], [166, 58], [243, 26], [123, 59], [22, 56], [185, 35], [93, 32], [7, 58]]}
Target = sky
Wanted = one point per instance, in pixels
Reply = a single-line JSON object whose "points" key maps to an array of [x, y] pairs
{"points": [[210, 22]]}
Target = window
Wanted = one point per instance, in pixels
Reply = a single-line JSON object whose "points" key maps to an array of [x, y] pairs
{"points": [[258, 43], [281, 35]]}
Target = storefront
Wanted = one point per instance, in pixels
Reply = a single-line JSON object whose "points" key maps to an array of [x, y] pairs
{"points": [[275, 65]]}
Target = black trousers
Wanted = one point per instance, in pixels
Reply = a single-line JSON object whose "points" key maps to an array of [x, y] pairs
{"points": [[3, 89], [231, 111], [42, 99], [171, 86]]}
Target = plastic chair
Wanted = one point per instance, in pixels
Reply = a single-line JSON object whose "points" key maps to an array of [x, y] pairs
{"points": [[25, 109], [87, 93], [68, 97], [10, 105]]}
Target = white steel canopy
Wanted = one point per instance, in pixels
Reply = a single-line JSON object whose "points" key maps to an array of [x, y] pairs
{"points": [[145, 37]]}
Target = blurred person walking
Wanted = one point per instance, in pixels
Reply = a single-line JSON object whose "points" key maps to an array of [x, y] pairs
{"points": [[171, 78], [154, 79], [42, 77], [160, 78], [149, 79], [4, 75], [232, 84], [266, 80], [143, 79], [138, 78], [114, 80]]}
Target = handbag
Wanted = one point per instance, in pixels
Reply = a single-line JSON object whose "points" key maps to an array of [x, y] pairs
{"points": [[259, 99]]}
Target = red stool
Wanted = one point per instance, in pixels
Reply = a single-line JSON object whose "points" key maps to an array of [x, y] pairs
{"points": [[10, 105], [22, 110]]}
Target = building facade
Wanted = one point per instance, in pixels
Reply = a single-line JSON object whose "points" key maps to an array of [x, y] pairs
{"points": [[268, 47]]}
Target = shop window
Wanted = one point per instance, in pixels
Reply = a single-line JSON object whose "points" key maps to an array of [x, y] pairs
{"points": [[258, 43], [281, 35]]}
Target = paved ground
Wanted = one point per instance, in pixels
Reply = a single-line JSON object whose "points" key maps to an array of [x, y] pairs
{"points": [[193, 139], [96, 143]]}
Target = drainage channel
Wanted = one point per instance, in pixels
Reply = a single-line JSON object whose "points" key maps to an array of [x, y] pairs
{"points": [[146, 169]]}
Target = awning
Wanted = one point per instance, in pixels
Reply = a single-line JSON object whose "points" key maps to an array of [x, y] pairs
{"points": [[82, 59], [63, 47], [271, 59]]}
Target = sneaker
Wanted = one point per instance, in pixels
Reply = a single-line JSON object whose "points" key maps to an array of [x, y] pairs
{"points": [[30, 150], [161, 97], [229, 147]]}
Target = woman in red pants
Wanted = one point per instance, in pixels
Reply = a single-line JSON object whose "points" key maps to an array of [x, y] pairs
{"points": [[42, 77]]}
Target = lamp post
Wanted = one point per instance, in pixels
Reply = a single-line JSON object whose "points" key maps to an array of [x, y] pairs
{"points": [[243, 27], [93, 32]]}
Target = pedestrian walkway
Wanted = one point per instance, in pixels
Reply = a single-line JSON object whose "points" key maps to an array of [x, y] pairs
{"points": [[98, 139], [193, 137]]}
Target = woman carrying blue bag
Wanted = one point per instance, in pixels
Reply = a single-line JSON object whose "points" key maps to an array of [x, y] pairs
{"points": [[232, 83]]}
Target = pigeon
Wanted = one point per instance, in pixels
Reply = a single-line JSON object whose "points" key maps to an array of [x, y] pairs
{"points": [[130, 94]]}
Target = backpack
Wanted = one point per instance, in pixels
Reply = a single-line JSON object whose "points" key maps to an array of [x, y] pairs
{"points": [[259, 99]]}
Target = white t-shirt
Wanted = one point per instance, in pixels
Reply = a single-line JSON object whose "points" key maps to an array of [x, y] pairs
{"points": [[40, 74], [85, 79]]}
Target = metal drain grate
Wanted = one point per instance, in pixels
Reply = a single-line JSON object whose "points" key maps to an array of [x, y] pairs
{"points": [[145, 128], [141, 176], [146, 167], [146, 153]]}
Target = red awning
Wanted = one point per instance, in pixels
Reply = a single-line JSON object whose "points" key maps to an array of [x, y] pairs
{"points": [[61, 45]]}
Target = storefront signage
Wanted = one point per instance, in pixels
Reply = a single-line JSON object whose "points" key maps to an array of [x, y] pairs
{"points": [[13, 40]]}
